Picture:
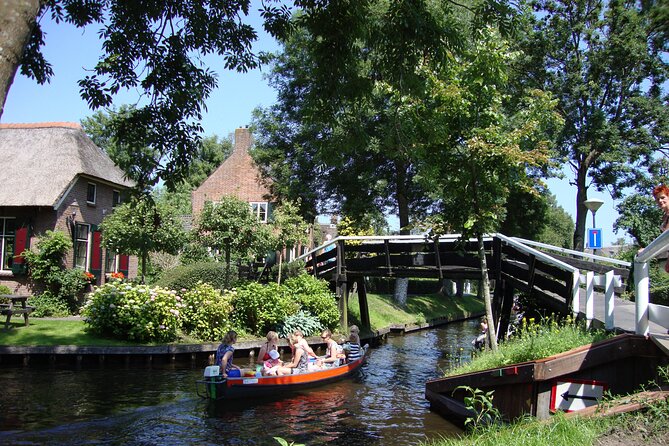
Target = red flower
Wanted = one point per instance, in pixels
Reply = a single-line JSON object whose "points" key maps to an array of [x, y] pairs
{"points": [[118, 275], [88, 276]]}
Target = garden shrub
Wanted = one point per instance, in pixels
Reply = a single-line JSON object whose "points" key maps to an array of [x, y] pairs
{"points": [[133, 312], [302, 320], [260, 308], [48, 304], [188, 276], [206, 312], [288, 270], [62, 285], [314, 297]]}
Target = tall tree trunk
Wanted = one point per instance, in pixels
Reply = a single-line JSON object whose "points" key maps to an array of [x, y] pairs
{"points": [[402, 283], [487, 299], [227, 267], [17, 18], [144, 256], [581, 210], [280, 261]]}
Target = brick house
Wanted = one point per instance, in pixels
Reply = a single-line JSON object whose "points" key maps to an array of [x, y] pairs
{"points": [[237, 176], [55, 178]]}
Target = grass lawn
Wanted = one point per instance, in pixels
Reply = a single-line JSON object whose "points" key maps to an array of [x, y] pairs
{"points": [[49, 332], [383, 313]]}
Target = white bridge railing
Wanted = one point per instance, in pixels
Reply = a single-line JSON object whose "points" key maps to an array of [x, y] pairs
{"points": [[608, 281], [645, 311]]}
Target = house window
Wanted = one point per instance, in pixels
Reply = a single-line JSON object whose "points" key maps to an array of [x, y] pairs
{"points": [[111, 261], [82, 231], [7, 230], [116, 198], [260, 211], [91, 193]]}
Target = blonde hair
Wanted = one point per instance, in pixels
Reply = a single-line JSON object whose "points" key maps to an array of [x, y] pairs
{"points": [[272, 336], [354, 334], [298, 332], [326, 333]]}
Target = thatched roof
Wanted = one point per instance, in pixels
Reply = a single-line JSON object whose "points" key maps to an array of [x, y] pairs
{"points": [[38, 162]]}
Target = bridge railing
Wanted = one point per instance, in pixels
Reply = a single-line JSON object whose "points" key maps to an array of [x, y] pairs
{"points": [[647, 312], [596, 271]]}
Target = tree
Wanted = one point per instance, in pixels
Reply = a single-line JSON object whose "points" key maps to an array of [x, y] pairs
{"points": [[211, 152], [475, 150], [228, 227], [158, 48], [289, 228], [559, 227], [606, 63], [140, 227], [638, 213]]}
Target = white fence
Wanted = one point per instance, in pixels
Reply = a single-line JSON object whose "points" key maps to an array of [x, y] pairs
{"points": [[645, 311], [608, 281]]}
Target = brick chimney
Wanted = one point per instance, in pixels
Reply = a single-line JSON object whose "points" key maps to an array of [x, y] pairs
{"points": [[243, 139]]}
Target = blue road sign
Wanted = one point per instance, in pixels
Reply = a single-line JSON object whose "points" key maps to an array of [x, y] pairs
{"points": [[594, 238]]}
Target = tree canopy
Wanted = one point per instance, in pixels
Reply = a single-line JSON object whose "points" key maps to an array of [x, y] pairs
{"points": [[140, 227], [606, 63]]}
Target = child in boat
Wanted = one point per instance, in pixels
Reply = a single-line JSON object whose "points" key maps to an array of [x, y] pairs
{"points": [[352, 347], [333, 352], [271, 366], [225, 353]]}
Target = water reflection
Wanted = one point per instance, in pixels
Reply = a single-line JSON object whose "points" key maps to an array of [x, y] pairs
{"points": [[383, 405]]}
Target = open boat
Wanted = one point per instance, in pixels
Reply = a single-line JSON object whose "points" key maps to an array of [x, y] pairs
{"points": [[219, 388]]}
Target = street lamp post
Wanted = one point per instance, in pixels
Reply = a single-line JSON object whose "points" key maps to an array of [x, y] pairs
{"points": [[593, 204]]}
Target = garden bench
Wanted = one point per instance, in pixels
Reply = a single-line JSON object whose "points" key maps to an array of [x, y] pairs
{"points": [[12, 309]]}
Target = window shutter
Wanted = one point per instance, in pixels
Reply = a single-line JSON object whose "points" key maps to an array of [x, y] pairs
{"points": [[96, 253], [124, 264], [21, 243]]}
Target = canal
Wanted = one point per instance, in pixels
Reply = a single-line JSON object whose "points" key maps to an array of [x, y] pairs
{"points": [[384, 405]]}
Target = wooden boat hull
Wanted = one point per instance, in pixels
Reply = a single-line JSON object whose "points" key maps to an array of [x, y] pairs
{"points": [[219, 388]]}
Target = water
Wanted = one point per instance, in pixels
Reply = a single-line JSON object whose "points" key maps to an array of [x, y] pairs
{"points": [[383, 405]]}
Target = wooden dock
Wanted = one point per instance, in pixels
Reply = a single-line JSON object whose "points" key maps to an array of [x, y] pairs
{"points": [[620, 364]]}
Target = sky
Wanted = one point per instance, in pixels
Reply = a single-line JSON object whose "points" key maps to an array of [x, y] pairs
{"points": [[72, 51]]}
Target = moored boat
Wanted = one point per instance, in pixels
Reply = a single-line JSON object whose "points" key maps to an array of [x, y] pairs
{"points": [[218, 388]]}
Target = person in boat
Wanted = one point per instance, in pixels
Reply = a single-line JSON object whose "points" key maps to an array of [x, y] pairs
{"points": [[352, 347], [271, 344], [300, 361], [355, 333], [271, 366], [333, 352], [303, 343], [225, 353]]}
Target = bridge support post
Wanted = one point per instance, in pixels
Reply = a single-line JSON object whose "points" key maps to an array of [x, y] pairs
{"points": [[342, 294], [364, 307], [641, 293], [507, 306], [609, 301]]}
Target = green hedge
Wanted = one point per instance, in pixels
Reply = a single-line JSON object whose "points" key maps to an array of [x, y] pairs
{"points": [[188, 276]]}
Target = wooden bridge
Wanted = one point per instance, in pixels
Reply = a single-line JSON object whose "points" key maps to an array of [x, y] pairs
{"points": [[562, 280]]}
